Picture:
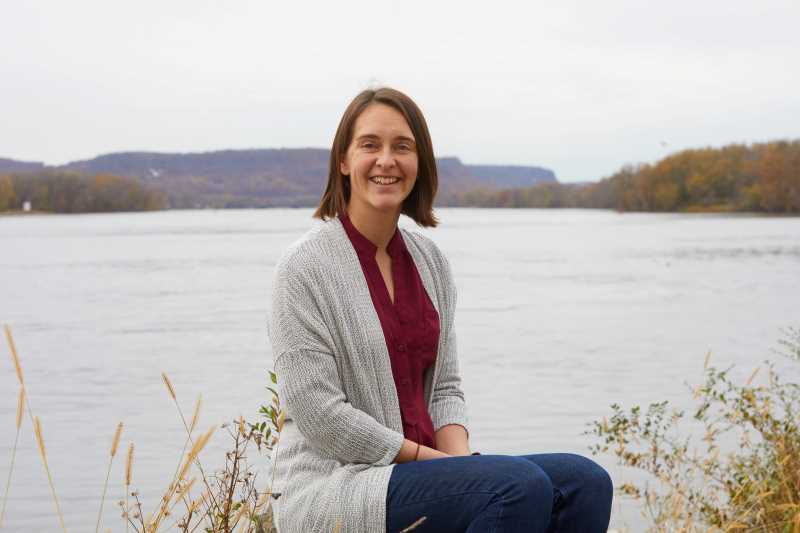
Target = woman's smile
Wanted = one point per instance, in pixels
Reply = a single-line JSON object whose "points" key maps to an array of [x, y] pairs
{"points": [[384, 180]]}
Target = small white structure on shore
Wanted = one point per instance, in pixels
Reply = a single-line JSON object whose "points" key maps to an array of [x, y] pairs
{"points": [[26, 206]]}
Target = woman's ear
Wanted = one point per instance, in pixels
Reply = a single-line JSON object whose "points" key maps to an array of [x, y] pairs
{"points": [[344, 169]]}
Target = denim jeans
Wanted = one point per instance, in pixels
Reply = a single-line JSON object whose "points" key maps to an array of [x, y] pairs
{"points": [[500, 493]]}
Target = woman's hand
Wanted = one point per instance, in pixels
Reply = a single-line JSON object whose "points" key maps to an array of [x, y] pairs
{"points": [[451, 441], [426, 454], [409, 450]]}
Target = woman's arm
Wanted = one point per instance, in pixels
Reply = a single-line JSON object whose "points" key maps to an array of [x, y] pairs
{"points": [[448, 406], [308, 378], [452, 440], [408, 453], [311, 392]]}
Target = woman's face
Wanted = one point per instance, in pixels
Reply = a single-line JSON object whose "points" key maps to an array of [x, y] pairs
{"points": [[381, 160]]}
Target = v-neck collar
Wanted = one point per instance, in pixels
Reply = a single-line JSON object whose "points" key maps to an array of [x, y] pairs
{"points": [[365, 247], [420, 261]]}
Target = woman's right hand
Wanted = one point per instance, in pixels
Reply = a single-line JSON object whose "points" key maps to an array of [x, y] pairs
{"points": [[409, 450], [430, 453]]}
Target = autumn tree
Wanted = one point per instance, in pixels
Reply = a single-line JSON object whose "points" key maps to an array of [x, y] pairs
{"points": [[8, 198], [65, 192]]}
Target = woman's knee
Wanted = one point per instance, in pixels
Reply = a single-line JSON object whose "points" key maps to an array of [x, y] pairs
{"points": [[593, 477], [523, 479]]}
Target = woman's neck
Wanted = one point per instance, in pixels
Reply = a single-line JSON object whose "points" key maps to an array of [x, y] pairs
{"points": [[377, 226]]}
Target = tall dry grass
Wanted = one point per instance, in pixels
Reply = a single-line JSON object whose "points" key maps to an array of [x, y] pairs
{"points": [[114, 445], [128, 474], [36, 424], [20, 413], [227, 500], [43, 455]]}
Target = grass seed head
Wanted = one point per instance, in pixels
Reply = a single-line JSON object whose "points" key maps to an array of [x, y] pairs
{"points": [[115, 442], [129, 465], [168, 383], [196, 414], [195, 451], [37, 427], [14, 355]]}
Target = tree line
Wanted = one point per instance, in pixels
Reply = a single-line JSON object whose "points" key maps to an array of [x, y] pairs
{"points": [[66, 192], [759, 177]]}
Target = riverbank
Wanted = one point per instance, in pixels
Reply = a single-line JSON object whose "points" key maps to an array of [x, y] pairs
{"points": [[20, 212]]}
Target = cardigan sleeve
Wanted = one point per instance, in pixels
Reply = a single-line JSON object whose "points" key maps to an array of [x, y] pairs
{"points": [[309, 384], [448, 405]]}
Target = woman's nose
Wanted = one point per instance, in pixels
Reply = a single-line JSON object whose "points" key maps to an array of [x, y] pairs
{"points": [[386, 158]]}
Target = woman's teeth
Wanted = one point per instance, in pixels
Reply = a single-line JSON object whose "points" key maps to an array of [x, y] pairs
{"points": [[384, 181]]}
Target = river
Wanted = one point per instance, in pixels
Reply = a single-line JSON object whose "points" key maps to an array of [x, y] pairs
{"points": [[560, 313]]}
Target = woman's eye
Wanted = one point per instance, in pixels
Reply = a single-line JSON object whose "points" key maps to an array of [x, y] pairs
{"points": [[368, 145]]}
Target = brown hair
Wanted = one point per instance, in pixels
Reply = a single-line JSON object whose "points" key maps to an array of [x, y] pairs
{"points": [[419, 203]]}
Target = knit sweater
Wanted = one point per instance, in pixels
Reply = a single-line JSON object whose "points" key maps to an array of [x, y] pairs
{"points": [[344, 429]]}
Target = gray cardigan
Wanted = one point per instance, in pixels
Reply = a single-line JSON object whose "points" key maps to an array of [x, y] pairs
{"points": [[343, 430]]}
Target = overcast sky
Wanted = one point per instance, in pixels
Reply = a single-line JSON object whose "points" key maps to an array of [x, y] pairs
{"points": [[581, 87]]}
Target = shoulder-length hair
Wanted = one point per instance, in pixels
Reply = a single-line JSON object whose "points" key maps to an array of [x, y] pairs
{"points": [[419, 203]]}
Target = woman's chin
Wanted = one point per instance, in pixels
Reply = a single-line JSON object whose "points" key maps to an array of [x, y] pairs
{"points": [[389, 205]]}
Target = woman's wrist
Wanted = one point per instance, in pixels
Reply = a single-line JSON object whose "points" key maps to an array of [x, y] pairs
{"points": [[427, 454], [413, 451]]}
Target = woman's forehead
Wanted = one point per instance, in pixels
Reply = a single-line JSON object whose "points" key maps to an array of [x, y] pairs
{"points": [[381, 120]]}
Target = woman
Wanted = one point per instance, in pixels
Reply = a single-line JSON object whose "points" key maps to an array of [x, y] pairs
{"points": [[364, 347]]}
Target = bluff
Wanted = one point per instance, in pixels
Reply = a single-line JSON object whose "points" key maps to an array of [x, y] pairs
{"points": [[264, 177]]}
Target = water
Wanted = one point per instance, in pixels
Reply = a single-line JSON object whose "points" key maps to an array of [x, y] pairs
{"points": [[560, 313]]}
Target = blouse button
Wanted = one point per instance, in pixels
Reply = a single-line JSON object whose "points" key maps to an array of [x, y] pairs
{"points": [[401, 347]]}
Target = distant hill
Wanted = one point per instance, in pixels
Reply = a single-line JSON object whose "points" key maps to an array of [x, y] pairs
{"points": [[11, 165], [512, 177], [264, 177]]}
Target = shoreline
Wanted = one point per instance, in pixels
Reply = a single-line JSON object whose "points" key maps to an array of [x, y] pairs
{"points": [[710, 210]]}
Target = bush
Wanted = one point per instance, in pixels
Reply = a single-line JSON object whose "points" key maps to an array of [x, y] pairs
{"points": [[741, 474]]}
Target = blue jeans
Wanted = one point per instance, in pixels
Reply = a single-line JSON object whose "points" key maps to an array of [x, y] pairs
{"points": [[500, 493]]}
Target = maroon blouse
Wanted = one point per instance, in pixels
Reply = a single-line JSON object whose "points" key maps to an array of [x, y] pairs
{"points": [[410, 326]]}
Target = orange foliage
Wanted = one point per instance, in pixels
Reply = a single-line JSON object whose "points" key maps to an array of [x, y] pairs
{"points": [[758, 177]]}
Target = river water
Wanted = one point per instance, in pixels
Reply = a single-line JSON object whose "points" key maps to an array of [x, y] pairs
{"points": [[560, 313]]}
